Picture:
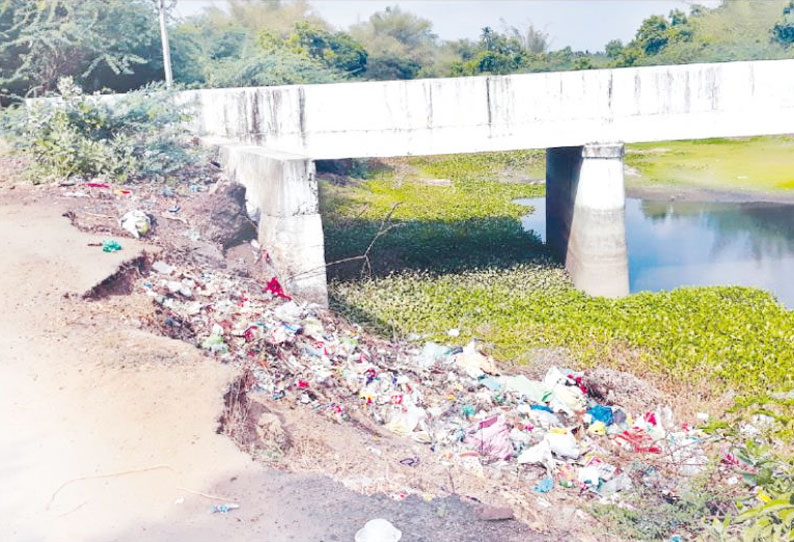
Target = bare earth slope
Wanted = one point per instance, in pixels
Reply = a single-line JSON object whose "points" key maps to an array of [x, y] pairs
{"points": [[109, 432]]}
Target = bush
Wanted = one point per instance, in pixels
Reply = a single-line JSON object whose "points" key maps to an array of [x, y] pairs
{"points": [[136, 136]]}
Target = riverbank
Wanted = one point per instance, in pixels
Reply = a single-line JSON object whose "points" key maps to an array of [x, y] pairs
{"points": [[697, 194], [724, 170]]}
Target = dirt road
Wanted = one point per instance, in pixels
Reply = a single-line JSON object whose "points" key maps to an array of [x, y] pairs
{"points": [[109, 432]]}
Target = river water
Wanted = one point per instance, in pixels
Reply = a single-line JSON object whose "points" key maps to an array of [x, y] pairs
{"points": [[688, 243]]}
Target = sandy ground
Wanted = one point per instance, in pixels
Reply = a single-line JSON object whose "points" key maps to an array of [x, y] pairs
{"points": [[110, 433]]}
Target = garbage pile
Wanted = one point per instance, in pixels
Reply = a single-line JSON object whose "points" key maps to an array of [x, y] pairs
{"points": [[454, 399]]}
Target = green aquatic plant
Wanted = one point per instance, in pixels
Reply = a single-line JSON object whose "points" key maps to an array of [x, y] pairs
{"points": [[755, 164], [455, 256]]}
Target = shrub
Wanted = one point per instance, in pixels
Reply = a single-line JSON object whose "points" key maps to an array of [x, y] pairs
{"points": [[136, 136]]}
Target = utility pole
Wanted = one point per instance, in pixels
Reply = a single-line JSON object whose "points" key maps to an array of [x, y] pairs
{"points": [[169, 76]]}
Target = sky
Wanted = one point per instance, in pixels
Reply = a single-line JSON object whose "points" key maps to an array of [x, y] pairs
{"points": [[582, 24]]}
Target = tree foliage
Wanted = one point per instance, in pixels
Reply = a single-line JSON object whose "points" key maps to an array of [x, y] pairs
{"points": [[654, 35], [100, 43], [400, 44], [337, 50], [736, 30], [114, 44], [269, 43]]}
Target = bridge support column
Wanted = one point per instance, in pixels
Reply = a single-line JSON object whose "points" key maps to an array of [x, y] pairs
{"points": [[282, 190], [585, 216]]}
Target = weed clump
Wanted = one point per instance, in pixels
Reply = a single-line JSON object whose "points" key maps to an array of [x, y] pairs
{"points": [[138, 135]]}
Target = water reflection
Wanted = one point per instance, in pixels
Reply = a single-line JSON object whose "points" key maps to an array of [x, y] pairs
{"points": [[686, 243]]}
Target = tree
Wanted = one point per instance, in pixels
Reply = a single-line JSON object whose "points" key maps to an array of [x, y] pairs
{"points": [[532, 40], [680, 29], [613, 49], [277, 16], [100, 43], [279, 67], [337, 50], [217, 49], [656, 34], [498, 53], [678, 18], [392, 67], [405, 27], [630, 56], [399, 44], [652, 36], [583, 63]]}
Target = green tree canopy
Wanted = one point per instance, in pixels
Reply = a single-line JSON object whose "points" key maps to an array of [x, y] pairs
{"points": [[337, 50], [613, 49], [399, 44], [100, 43]]}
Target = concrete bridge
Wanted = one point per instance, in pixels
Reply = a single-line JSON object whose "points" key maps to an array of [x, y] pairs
{"points": [[269, 137]]}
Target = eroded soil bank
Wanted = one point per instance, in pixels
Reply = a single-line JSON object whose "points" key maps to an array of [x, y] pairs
{"points": [[111, 431]]}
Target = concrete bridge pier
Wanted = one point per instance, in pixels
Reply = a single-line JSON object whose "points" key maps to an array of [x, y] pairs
{"points": [[282, 191], [585, 216]]}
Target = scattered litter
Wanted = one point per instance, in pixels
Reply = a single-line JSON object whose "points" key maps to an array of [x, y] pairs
{"points": [[110, 245], [378, 530], [275, 288], [474, 362], [563, 444], [452, 398], [491, 439], [539, 454], [545, 485], [162, 268], [136, 222], [603, 414], [224, 508]]}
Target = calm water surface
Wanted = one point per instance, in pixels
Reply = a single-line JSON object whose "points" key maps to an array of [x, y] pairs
{"points": [[686, 243]]}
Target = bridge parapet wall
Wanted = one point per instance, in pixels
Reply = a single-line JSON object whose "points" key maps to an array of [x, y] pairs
{"points": [[477, 114]]}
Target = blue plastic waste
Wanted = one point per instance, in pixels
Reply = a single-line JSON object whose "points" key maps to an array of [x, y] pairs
{"points": [[491, 383], [545, 485], [601, 413]]}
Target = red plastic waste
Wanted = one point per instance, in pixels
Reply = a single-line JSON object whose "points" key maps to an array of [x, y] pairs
{"points": [[639, 441], [275, 288]]}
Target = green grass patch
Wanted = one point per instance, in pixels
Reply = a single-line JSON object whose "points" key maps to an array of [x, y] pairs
{"points": [[456, 257], [764, 164]]}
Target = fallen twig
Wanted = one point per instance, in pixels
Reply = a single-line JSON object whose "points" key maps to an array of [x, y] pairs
{"points": [[108, 475], [98, 216], [382, 230], [206, 495]]}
